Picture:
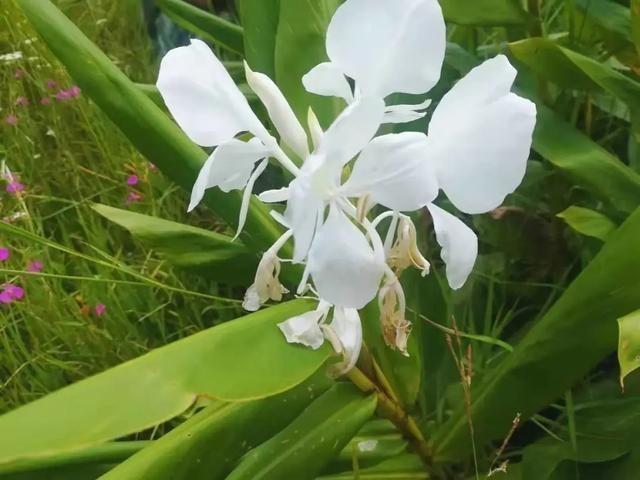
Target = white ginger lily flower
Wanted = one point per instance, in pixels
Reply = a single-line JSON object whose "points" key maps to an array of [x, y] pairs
{"points": [[385, 47], [212, 111]]}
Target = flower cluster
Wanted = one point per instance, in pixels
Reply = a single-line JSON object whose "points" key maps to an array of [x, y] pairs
{"points": [[475, 150]]}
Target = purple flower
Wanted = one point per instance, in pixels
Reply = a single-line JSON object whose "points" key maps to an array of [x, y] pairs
{"points": [[11, 119], [62, 95], [15, 187], [4, 254], [74, 91], [35, 266], [45, 101], [10, 293], [133, 197], [51, 84], [22, 101], [132, 180], [100, 309]]}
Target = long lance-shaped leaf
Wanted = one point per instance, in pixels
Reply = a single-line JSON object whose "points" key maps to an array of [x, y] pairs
{"points": [[207, 26], [312, 440], [485, 12], [239, 360], [300, 46], [143, 122], [209, 254], [260, 22], [570, 339], [188, 452]]}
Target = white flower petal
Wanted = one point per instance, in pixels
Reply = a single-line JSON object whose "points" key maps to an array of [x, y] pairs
{"points": [[303, 209], [348, 328], [388, 46], [344, 267], [229, 167], [246, 195], [202, 97], [304, 329], [351, 131], [314, 128], [405, 113], [327, 79], [275, 196], [279, 110], [395, 170], [459, 245], [480, 136]]}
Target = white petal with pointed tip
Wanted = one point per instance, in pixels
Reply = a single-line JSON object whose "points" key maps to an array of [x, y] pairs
{"points": [[229, 167], [279, 110], [348, 328], [303, 208], [405, 113], [459, 245], [304, 329], [351, 131], [388, 46], [202, 97], [274, 196], [344, 268], [395, 170], [480, 135], [327, 79]]}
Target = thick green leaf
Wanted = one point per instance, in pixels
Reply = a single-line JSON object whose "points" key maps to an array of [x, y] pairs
{"points": [[573, 70], [300, 46], [402, 467], [588, 222], [313, 439], [260, 21], [145, 125], [186, 452], [210, 254], [485, 12], [205, 25], [85, 464], [609, 15], [629, 344], [239, 360], [573, 336], [587, 163]]}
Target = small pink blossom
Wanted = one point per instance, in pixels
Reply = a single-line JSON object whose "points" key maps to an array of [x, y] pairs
{"points": [[51, 84], [15, 187], [10, 293], [35, 266], [62, 95], [45, 101], [133, 197], [74, 91], [132, 180], [100, 309], [22, 101], [4, 254], [11, 119]]}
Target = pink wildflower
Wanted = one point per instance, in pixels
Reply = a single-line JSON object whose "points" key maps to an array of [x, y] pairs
{"points": [[100, 309], [11, 119], [51, 84], [35, 266], [22, 101], [45, 101], [15, 187], [74, 91], [4, 254], [132, 180], [62, 95], [10, 293], [133, 197]]}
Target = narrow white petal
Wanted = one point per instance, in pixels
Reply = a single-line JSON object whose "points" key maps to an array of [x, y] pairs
{"points": [[228, 167], [351, 131], [480, 136], [279, 110], [347, 276], [314, 128], [327, 79], [405, 113], [246, 195], [303, 209], [348, 328], [396, 171], [388, 46], [304, 329], [459, 245], [275, 196], [202, 97]]}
